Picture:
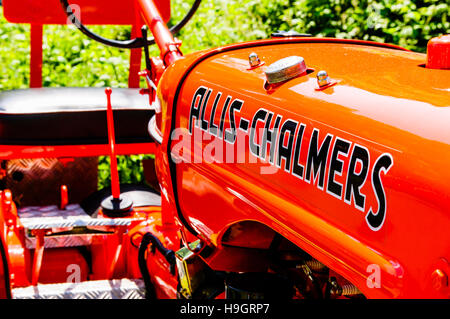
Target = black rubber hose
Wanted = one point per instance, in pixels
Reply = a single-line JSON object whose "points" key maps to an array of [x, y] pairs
{"points": [[168, 254], [142, 261], [126, 44]]}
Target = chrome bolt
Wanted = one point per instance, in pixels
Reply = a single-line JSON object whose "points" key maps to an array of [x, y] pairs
{"points": [[253, 59], [323, 78]]}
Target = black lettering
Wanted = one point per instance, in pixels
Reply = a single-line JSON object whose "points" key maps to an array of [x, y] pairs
{"points": [[243, 124], [202, 115], [260, 115], [356, 181], [212, 126], [222, 117], [195, 111], [297, 168], [286, 152], [317, 158], [376, 220], [270, 137], [340, 147], [230, 135]]}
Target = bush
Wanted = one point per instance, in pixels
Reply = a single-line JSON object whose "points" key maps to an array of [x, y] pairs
{"points": [[408, 23]]}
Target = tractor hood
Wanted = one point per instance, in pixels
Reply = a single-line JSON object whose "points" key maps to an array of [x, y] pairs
{"points": [[366, 157]]}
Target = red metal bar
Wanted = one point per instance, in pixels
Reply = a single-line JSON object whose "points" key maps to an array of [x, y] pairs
{"points": [[135, 60], [38, 254], [36, 55], [31, 151], [64, 197], [135, 54], [163, 37], [119, 233], [115, 184]]}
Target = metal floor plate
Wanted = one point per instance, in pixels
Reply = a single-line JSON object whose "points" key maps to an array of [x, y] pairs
{"points": [[45, 217], [95, 289]]}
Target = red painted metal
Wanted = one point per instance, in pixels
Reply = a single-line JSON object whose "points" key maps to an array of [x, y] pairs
{"points": [[4, 285], [31, 151], [110, 12], [38, 254], [438, 52], [116, 12], [135, 61], [374, 105], [64, 197], [163, 37], [36, 55], [115, 183], [330, 230], [120, 238], [63, 265]]}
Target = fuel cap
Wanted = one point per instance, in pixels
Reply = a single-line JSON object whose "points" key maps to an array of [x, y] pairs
{"points": [[438, 52], [285, 69]]}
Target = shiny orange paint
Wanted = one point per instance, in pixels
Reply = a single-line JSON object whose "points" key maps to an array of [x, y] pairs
{"points": [[385, 101]]}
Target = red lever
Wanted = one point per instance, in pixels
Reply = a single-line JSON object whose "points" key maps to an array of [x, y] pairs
{"points": [[117, 203], [115, 184], [64, 197]]}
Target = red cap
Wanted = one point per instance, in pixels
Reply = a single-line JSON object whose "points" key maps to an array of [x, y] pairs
{"points": [[438, 52]]}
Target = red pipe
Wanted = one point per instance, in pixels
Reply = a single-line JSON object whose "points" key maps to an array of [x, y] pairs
{"points": [[115, 185], [163, 37], [36, 55], [38, 254], [64, 197]]}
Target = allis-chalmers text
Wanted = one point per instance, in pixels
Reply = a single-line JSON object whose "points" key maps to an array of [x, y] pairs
{"points": [[304, 151]]}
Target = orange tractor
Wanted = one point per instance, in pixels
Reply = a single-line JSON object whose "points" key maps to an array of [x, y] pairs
{"points": [[292, 167]]}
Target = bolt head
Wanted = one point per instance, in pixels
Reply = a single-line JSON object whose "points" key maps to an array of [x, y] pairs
{"points": [[253, 59], [322, 78], [439, 279]]}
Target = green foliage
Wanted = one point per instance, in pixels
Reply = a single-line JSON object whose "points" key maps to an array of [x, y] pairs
{"points": [[71, 59], [408, 23], [130, 169]]}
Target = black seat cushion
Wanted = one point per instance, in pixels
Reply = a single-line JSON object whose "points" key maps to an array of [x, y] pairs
{"points": [[72, 116]]}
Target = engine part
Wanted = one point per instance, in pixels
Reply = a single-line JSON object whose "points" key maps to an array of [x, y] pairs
{"points": [[257, 286], [191, 270]]}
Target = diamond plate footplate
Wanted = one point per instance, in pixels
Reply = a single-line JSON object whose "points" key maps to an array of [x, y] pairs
{"points": [[45, 217], [96, 289], [61, 241], [51, 217], [37, 181]]}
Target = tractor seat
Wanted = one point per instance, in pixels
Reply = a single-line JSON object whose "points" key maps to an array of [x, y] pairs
{"points": [[72, 116]]}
